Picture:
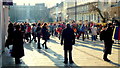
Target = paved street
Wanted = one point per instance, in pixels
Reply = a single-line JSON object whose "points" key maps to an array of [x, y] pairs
{"points": [[85, 53]]}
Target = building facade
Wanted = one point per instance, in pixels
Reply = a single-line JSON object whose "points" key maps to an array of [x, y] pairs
{"points": [[82, 11], [30, 13], [57, 13], [87, 10]]}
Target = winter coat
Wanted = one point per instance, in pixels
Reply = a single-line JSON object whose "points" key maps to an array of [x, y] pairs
{"points": [[45, 33], [69, 38], [94, 31], [106, 35], [18, 49], [38, 31], [9, 40]]}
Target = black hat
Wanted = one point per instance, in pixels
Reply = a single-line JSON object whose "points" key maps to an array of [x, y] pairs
{"points": [[17, 27]]}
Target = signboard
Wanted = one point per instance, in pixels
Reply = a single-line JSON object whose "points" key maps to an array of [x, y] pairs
{"points": [[7, 2]]}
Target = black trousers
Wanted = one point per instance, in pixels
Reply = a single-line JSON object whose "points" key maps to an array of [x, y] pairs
{"points": [[45, 43], [17, 60], [66, 55], [38, 42]]}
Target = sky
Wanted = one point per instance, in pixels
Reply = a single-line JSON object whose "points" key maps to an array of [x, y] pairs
{"points": [[49, 3]]}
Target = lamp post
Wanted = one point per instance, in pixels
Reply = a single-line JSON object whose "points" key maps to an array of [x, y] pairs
{"points": [[75, 10]]}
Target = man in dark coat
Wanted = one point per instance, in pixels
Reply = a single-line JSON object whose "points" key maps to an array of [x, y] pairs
{"points": [[106, 35], [38, 31], [18, 50], [69, 39]]}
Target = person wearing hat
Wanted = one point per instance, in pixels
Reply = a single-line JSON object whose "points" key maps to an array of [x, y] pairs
{"points": [[108, 42], [18, 49]]}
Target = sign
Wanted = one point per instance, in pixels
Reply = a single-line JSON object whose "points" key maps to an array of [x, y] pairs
{"points": [[7, 2]]}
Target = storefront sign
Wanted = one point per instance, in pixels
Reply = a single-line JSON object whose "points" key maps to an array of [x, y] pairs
{"points": [[7, 2]]}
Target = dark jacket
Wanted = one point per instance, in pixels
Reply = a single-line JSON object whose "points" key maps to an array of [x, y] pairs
{"points": [[9, 40], [18, 49], [69, 38], [38, 31], [45, 33], [107, 37]]}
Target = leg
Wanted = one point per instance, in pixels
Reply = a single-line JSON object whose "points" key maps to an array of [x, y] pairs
{"points": [[70, 56], [105, 57], [39, 43], [30, 37], [17, 60], [83, 36], [65, 57], [26, 37], [52, 32], [87, 34], [79, 35], [35, 38], [46, 44]]}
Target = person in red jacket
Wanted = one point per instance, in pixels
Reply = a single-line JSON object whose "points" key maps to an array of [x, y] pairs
{"points": [[28, 32], [59, 30]]}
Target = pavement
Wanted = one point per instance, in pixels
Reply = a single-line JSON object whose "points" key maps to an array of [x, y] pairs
{"points": [[86, 54]]}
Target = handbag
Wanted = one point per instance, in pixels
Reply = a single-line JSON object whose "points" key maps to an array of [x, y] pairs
{"points": [[8, 42]]}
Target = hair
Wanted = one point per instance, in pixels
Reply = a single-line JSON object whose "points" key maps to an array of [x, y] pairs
{"points": [[68, 25], [10, 25], [17, 27], [45, 24], [39, 24], [110, 24]]}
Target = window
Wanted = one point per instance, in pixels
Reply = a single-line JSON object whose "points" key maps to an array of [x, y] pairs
{"points": [[94, 16]]}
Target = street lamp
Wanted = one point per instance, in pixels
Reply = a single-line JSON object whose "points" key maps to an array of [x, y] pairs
{"points": [[75, 10]]}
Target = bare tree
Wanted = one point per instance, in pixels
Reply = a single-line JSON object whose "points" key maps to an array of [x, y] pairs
{"points": [[104, 15]]}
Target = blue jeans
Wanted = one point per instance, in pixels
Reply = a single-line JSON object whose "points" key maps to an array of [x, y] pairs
{"points": [[94, 37]]}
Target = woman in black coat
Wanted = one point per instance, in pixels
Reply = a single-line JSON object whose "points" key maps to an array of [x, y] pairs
{"points": [[18, 49], [46, 35], [106, 35], [9, 40]]}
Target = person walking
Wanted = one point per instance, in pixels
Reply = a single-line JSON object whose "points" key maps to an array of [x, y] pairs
{"points": [[69, 39], [106, 35], [28, 32], [17, 50], [82, 31], [51, 28], [38, 31], [34, 33], [94, 33], [45, 35]]}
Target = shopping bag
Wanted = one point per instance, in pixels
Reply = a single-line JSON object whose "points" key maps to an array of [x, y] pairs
{"points": [[8, 51]]}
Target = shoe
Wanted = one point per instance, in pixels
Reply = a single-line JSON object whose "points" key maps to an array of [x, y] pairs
{"points": [[71, 62], [46, 47], [18, 63], [38, 47], [35, 41], [107, 60], [65, 62]]}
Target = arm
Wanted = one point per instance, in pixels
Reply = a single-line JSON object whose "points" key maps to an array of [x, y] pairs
{"points": [[62, 38]]}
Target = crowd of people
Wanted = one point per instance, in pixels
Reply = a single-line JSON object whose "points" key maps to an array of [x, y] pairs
{"points": [[20, 33]]}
